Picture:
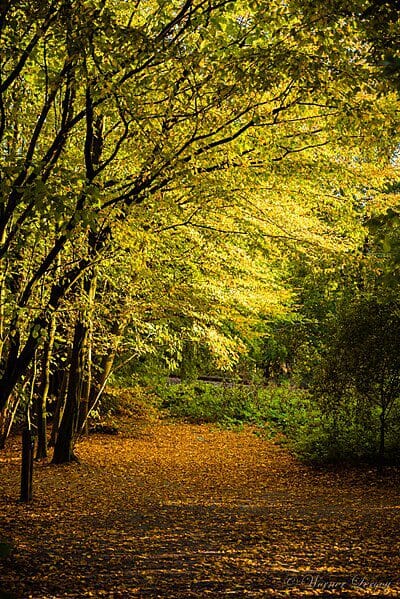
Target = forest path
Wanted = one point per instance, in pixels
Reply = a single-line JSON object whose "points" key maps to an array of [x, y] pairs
{"points": [[181, 511]]}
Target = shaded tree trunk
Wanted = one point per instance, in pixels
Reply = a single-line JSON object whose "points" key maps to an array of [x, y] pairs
{"points": [[61, 398], [90, 289], [7, 418], [28, 446], [381, 453], [3, 272], [64, 446], [74, 413], [3, 426], [41, 401], [105, 367]]}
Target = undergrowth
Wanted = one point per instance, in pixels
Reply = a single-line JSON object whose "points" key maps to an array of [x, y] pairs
{"points": [[347, 434]]}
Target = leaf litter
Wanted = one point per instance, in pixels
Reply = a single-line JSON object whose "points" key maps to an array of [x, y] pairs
{"points": [[179, 511]]}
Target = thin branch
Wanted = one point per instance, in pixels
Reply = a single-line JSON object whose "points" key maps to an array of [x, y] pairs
{"points": [[28, 50], [288, 151], [89, 136], [179, 17]]}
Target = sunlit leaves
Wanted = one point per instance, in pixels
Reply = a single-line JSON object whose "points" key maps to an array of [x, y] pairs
{"points": [[225, 137]]}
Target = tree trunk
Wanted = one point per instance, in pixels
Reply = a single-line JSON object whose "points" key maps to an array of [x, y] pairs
{"points": [[61, 398], [64, 446], [381, 454], [3, 272], [19, 359], [69, 427], [41, 402], [106, 365], [3, 426], [11, 373], [28, 444], [90, 288], [7, 417]]}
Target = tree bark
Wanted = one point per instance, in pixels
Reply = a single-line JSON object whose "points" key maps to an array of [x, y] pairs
{"points": [[107, 362], [7, 417], [41, 401], [64, 446], [61, 398], [3, 426], [70, 423], [106, 365], [28, 444], [90, 288], [381, 454]]}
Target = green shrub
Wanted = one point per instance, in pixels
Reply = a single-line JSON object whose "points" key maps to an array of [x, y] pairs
{"points": [[348, 434], [231, 404], [136, 402], [357, 383]]}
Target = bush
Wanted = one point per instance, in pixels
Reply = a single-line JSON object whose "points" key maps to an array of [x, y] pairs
{"points": [[333, 438], [357, 384], [205, 402], [348, 432], [136, 402], [233, 404]]}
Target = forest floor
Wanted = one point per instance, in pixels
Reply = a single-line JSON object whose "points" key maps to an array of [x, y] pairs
{"points": [[179, 511]]}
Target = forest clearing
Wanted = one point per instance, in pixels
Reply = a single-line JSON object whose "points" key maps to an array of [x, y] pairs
{"points": [[179, 510]]}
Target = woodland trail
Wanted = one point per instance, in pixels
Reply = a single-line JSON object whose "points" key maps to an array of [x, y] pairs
{"points": [[181, 511]]}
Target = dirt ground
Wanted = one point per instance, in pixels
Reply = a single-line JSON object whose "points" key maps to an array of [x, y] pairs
{"points": [[181, 511]]}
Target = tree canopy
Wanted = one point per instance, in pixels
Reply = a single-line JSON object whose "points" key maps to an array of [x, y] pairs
{"points": [[165, 164]]}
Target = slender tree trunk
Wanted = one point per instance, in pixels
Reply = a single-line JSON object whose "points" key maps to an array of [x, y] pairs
{"points": [[90, 288], [11, 419], [41, 402], [7, 418], [3, 272], [28, 445], [64, 446], [106, 365], [3, 426], [69, 427], [61, 398], [381, 454]]}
